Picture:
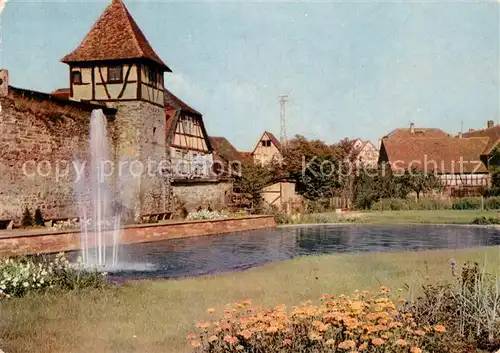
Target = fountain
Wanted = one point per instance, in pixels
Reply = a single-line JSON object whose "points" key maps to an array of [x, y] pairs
{"points": [[100, 225]]}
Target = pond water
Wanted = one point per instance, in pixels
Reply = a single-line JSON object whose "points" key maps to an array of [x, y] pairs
{"points": [[223, 253]]}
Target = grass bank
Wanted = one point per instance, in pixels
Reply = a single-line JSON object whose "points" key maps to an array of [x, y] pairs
{"points": [[155, 316], [396, 217]]}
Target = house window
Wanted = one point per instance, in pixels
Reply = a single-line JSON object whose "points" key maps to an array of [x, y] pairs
{"points": [[76, 77], [115, 74], [153, 77], [266, 143]]}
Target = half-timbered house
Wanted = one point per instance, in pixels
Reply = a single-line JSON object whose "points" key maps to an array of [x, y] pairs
{"points": [[267, 149], [189, 145]]}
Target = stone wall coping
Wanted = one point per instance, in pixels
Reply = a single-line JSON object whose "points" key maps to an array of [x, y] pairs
{"points": [[21, 233]]}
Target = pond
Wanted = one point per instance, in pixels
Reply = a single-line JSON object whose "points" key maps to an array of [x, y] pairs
{"points": [[223, 253]]}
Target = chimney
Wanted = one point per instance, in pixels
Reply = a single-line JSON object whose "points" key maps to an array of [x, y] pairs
{"points": [[490, 123], [4, 82], [412, 128]]}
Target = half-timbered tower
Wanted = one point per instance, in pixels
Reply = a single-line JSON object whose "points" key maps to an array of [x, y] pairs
{"points": [[115, 65], [189, 144]]}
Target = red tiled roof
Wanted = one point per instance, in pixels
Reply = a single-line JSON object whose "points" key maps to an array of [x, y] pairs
{"points": [[273, 139], [492, 133], [440, 154], [226, 150], [417, 133], [172, 102], [114, 36], [61, 93]]}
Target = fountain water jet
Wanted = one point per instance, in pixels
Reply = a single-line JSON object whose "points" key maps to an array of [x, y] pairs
{"points": [[100, 233]]}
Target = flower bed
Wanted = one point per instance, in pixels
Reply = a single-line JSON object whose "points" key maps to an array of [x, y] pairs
{"points": [[364, 322], [19, 276]]}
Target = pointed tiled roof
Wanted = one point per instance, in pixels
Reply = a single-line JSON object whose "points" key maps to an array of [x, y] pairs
{"points": [[114, 36]]}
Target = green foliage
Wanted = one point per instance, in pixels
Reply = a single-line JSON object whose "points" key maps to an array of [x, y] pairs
{"points": [[20, 276], [467, 203], [39, 221], [253, 178], [316, 167], [492, 203], [394, 204], [27, 220], [486, 220]]}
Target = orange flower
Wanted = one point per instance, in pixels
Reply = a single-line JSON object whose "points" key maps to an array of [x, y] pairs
{"points": [[203, 325], [246, 334], [378, 341], [230, 339], [191, 336], [419, 332], [195, 343], [347, 344], [415, 350], [239, 347], [439, 328], [401, 342], [363, 347]]}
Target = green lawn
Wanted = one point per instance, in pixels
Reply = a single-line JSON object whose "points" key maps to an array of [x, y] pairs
{"points": [[434, 217], [397, 217], [155, 316]]}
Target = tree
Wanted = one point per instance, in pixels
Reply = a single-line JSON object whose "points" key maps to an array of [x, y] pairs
{"points": [[39, 221], [315, 166], [421, 183], [253, 178], [27, 220]]}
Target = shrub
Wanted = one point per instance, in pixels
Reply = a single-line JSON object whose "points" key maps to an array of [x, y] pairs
{"points": [[469, 306], [27, 220], [486, 220], [363, 322], [395, 204], [39, 221], [467, 203], [19, 276], [205, 214], [492, 203]]}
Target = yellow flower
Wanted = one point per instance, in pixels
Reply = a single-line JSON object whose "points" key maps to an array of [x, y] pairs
{"points": [[440, 328], [211, 310], [378, 341], [314, 336], [212, 338], [401, 342], [356, 306], [195, 343], [330, 342]]}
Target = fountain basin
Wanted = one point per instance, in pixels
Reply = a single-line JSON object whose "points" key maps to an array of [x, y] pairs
{"points": [[31, 242]]}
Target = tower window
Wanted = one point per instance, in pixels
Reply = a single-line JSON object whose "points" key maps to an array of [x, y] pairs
{"points": [[115, 74], [153, 76], [76, 77]]}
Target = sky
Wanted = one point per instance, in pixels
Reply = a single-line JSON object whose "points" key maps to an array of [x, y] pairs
{"points": [[350, 69]]}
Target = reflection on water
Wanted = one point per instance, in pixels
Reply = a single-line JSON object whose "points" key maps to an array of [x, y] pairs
{"points": [[212, 254]]}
